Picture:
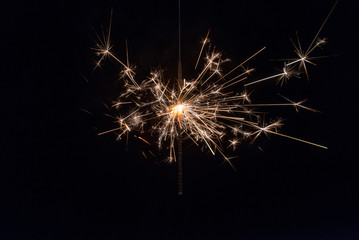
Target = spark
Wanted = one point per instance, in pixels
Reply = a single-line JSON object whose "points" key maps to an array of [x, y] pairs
{"points": [[204, 109]]}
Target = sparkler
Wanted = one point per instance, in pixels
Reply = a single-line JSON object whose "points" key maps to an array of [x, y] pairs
{"points": [[203, 109]]}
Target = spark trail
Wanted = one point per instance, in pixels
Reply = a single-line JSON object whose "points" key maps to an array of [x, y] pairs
{"points": [[203, 109]]}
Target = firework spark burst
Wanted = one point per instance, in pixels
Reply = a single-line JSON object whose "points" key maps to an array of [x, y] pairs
{"points": [[204, 109]]}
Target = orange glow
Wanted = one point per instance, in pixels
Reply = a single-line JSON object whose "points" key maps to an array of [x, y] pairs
{"points": [[178, 110]]}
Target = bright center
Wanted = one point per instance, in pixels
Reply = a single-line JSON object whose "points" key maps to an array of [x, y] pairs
{"points": [[178, 109]]}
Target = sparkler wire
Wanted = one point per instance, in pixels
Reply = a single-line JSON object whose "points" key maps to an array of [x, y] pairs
{"points": [[180, 82]]}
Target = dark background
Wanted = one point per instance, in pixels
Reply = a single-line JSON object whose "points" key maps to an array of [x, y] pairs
{"points": [[59, 180]]}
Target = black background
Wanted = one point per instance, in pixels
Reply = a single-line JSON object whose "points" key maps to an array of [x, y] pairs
{"points": [[59, 180]]}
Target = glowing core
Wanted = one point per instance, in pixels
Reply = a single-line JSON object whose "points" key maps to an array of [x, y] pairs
{"points": [[177, 110]]}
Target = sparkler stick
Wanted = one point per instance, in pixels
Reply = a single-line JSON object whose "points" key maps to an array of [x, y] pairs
{"points": [[180, 83]]}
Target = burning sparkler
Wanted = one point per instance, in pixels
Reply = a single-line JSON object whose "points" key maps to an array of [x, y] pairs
{"points": [[202, 109]]}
